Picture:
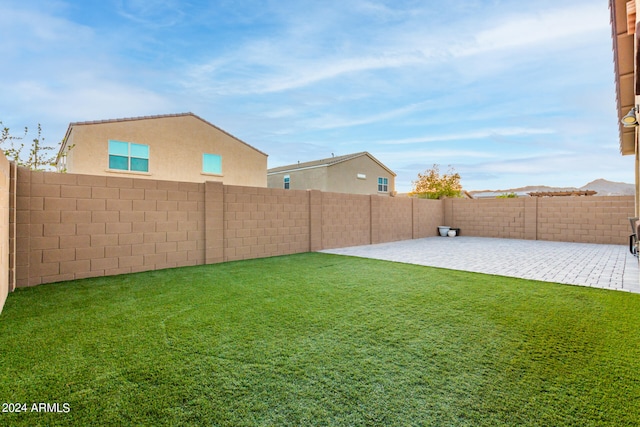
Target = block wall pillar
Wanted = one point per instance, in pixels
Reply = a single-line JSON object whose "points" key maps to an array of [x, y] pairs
{"points": [[214, 222], [22, 241], [414, 218], [12, 226], [5, 252], [315, 220], [531, 218], [375, 218]]}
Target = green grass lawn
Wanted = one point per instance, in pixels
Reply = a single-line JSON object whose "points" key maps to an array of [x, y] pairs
{"points": [[318, 339]]}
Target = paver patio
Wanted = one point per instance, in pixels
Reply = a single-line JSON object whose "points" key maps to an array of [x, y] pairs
{"points": [[595, 265]]}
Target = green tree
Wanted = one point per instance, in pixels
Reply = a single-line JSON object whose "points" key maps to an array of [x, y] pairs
{"points": [[432, 185], [40, 156]]}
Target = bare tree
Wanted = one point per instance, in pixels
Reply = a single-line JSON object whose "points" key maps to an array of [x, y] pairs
{"points": [[40, 156]]}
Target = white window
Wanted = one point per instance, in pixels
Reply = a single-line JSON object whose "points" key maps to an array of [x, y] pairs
{"points": [[212, 163], [362, 176], [383, 185], [128, 156], [287, 182]]}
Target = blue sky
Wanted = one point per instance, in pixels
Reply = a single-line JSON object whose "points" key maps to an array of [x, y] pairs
{"points": [[509, 93]]}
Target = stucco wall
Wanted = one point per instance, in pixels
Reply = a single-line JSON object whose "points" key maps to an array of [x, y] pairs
{"points": [[307, 179], [338, 178], [343, 178], [176, 145]]}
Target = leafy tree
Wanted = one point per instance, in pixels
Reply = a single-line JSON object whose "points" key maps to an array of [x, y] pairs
{"points": [[507, 196], [40, 156], [432, 185]]}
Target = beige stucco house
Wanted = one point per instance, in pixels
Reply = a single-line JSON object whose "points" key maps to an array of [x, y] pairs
{"points": [[358, 173], [625, 24], [175, 147]]}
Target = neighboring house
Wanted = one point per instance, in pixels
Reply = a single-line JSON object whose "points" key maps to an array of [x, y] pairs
{"points": [[625, 22], [358, 173], [174, 147]]}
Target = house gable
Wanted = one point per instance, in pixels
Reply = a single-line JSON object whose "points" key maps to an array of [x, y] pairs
{"points": [[355, 173], [360, 175], [177, 145]]}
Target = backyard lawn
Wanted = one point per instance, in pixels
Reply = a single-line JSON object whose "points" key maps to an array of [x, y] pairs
{"points": [[318, 339]]}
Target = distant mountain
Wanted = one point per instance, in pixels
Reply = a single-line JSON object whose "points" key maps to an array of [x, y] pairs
{"points": [[602, 186], [609, 188]]}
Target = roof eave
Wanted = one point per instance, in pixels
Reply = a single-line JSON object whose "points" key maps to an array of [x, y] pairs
{"points": [[623, 50]]}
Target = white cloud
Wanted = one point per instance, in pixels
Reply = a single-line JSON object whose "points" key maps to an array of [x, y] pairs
{"points": [[303, 54], [278, 72], [479, 134], [334, 122], [549, 27], [153, 13], [555, 168], [35, 32], [302, 79], [428, 157], [64, 71]]}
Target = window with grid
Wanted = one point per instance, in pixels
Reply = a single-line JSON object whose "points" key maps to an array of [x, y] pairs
{"points": [[383, 185], [287, 182], [128, 156]]}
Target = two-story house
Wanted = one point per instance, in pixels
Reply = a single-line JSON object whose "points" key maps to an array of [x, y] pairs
{"points": [[175, 147], [357, 173]]}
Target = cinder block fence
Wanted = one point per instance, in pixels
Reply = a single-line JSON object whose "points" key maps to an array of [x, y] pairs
{"points": [[76, 226], [59, 227], [566, 219]]}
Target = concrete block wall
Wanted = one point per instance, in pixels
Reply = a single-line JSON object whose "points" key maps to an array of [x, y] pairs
{"points": [[76, 226], [67, 226], [5, 186], [214, 218], [264, 222], [395, 219], [13, 232], [602, 220], [427, 216], [346, 220], [71, 226], [585, 219], [502, 218]]}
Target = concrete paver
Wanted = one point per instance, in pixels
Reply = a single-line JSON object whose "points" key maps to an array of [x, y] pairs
{"points": [[600, 266]]}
